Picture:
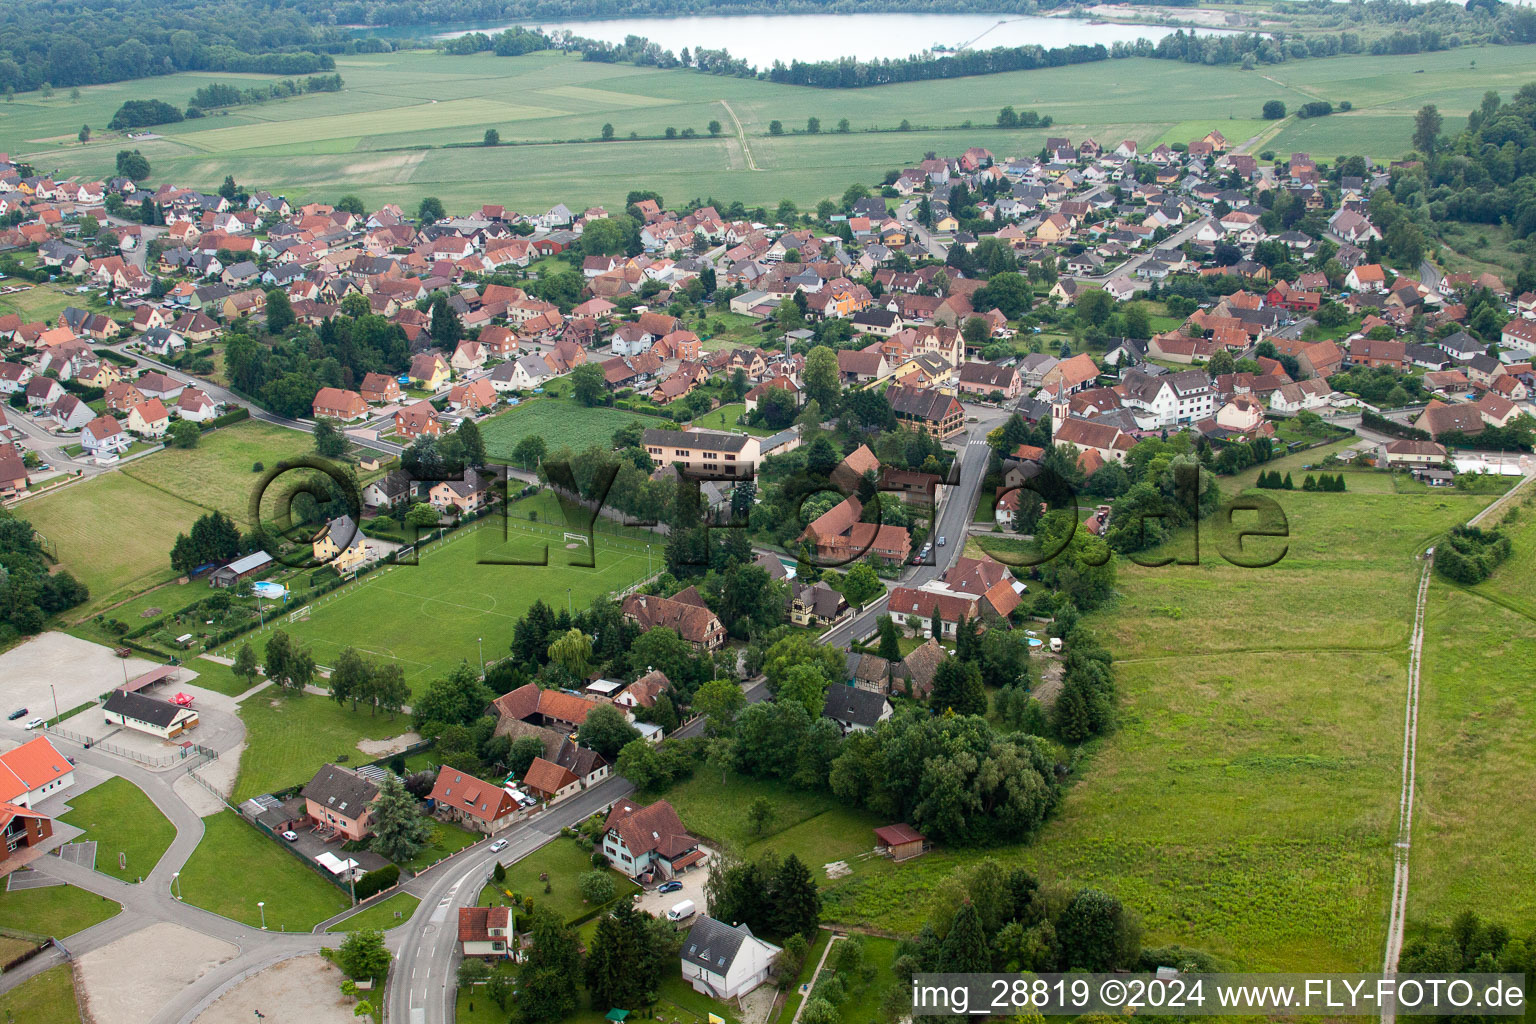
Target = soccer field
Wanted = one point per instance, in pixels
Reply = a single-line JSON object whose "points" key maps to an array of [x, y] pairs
{"points": [[428, 617]]}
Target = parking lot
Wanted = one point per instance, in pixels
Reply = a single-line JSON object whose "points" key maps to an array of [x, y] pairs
{"points": [[78, 671]]}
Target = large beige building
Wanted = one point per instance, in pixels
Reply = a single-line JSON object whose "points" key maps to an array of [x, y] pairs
{"points": [[705, 451]]}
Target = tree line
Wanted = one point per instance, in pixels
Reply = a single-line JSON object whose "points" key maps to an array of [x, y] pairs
{"points": [[29, 593], [223, 94]]}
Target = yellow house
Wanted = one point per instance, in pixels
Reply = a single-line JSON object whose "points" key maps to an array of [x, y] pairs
{"points": [[430, 370], [1053, 229], [946, 223], [341, 544], [104, 375]]}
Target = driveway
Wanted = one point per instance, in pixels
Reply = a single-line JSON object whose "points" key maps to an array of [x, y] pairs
{"points": [[693, 880]]}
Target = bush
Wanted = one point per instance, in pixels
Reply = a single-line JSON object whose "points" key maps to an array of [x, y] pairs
{"points": [[377, 881], [257, 467]]}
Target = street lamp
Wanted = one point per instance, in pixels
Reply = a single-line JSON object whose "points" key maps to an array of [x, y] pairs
{"points": [[55, 702], [262, 906], [481, 641], [568, 601], [176, 883]]}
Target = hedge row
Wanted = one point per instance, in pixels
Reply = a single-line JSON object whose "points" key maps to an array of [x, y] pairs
{"points": [[1381, 424], [234, 415]]}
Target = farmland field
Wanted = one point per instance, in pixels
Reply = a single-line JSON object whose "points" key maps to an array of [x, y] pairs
{"points": [[217, 473], [382, 136], [290, 737], [429, 616]]}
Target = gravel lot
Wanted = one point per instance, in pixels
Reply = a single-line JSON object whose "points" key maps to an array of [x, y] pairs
{"points": [[306, 982], [130, 980], [79, 670]]}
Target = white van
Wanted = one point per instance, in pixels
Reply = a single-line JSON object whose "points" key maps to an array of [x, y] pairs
{"points": [[682, 911], [1055, 645]]}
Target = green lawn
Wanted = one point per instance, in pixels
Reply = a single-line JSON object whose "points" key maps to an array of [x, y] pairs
{"points": [[289, 737], [120, 819], [794, 998], [367, 137], [218, 474], [559, 421], [236, 866], [380, 916], [48, 998], [115, 531], [466, 588], [447, 838], [863, 1003], [725, 417], [564, 862], [58, 910]]}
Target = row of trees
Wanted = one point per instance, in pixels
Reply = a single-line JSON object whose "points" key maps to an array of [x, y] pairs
{"points": [[214, 538], [29, 593]]}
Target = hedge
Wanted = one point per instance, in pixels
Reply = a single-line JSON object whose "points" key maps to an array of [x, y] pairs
{"points": [[376, 881], [84, 392], [1381, 424], [114, 357], [234, 415]]}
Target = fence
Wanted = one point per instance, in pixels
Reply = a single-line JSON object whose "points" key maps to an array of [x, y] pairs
{"points": [[191, 755]]}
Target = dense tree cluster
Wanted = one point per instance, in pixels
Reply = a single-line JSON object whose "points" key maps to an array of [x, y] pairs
{"points": [[1469, 555], [772, 897], [78, 44], [285, 376], [1470, 944], [214, 538], [223, 94], [29, 593], [1487, 174]]}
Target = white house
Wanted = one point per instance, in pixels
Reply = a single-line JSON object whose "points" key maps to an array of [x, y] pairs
{"points": [[724, 962], [34, 771], [146, 714], [1308, 394], [1183, 397], [521, 374], [485, 932], [104, 436]]}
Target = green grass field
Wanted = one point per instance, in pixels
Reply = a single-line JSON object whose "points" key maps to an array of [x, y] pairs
{"points": [[368, 138], [289, 737], [447, 839], [464, 587], [236, 866], [57, 910], [559, 421], [565, 863], [48, 998], [119, 818], [380, 916], [115, 531]]}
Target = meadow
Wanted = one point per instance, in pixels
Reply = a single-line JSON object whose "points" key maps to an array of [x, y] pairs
{"points": [[470, 587], [120, 819], [1476, 732], [296, 898], [288, 737], [115, 530], [1247, 804], [386, 135]]}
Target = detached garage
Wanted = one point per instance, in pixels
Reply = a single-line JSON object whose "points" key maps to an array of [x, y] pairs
{"points": [[148, 714]]}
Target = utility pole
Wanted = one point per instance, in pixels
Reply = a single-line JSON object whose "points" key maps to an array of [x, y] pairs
{"points": [[55, 703]]}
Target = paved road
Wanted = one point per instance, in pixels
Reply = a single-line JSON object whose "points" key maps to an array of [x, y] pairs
{"points": [[428, 953], [954, 517]]}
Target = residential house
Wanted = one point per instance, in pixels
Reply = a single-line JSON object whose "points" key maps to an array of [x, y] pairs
{"points": [[379, 387], [388, 490], [341, 545], [840, 537], [1413, 453], [155, 384], [104, 436], [1070, 375], [985, 378], [429, 370], [471, 493], [684, 612], [339, 404], [725, 962], [149, 419], [1303, 395], [1439, 418], [70, 413], [471, 802], [854, 708], [13, 472], [417, 419], [485, 932], [815, 604], [549, 781], [1108, 440], [337, 801], [917, 408], [650, 842]]}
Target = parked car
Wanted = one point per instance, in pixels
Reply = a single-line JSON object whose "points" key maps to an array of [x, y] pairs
{"points": [[16, 714], [291, 836], [498, 846], [672, 886], [35, 723]]}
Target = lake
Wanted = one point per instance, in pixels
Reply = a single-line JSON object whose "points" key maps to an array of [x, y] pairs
{"points": [[763, 39]]}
